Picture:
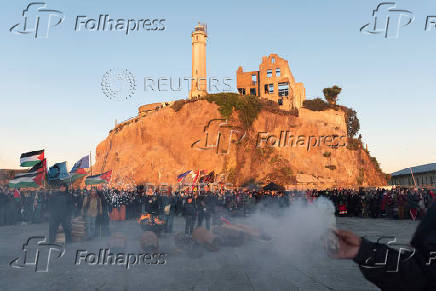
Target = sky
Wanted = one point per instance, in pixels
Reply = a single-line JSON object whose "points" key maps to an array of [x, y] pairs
{"points": [[50, 88]]}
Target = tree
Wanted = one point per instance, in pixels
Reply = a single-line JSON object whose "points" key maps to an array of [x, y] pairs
{"points": [[353, 124], [331, 94]]}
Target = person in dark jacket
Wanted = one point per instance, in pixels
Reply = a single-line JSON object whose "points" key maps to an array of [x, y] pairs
{"points": [[410, 268], [169, 206], [60, 206], [102, 221], [206, 209], [3, 202], [189, 212]]}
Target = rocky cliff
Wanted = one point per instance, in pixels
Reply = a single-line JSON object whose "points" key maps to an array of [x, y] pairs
{"points": [[305, 151]]}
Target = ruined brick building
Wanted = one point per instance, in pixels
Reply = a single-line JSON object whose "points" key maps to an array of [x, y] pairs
{"points": [[274, 81]]}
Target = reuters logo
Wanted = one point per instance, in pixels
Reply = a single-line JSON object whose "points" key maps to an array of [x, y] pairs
{"points": [[118, 84]]}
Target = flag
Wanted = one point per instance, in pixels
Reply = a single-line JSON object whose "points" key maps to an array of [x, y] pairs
{"points": [[99, 179], [31, 158], [27, 180], [202, 175], [78, 170], [79, 173], [209, 178], [83, 163], [194, 176], [58, 172], [182, 177], [39, 167]]}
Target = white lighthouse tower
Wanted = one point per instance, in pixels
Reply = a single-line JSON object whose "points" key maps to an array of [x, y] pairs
{"points": [[199, 77]]}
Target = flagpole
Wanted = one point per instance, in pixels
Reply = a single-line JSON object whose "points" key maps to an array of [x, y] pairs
{"points": [[71, 181], [90, 161], [413, 177], [45, 173]]}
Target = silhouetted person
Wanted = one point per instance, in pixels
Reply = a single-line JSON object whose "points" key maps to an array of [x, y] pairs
{"points": [[60, 205], [189, 214]]}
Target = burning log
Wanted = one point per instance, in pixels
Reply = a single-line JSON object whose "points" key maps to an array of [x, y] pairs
{"points": [[249, 232], [149, 242], [229, 236], [206, 238], [150, 222]]}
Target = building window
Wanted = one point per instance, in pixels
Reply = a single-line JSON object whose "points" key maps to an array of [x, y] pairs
{"points": [[253, 79], [283, 89], [277, 72], [253, 91], [270, 88], [273, 60], [241, 91], [280, 101], [269, 73]]}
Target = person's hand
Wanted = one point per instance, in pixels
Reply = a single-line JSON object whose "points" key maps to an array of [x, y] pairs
{"points": [[349, 244]]}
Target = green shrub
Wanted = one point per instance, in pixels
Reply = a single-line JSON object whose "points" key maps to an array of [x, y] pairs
{"points": [[331, 94], [272, 106], [353, 123], [247, 106], [316, 104]]}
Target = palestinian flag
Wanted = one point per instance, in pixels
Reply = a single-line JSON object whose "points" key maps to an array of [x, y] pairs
{"points": [[99, 179], [27, 180], [39, 167], [77, 174], [31, 158]]}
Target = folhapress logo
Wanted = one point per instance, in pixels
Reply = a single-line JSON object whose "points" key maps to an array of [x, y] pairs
{"points": [[38, 20], [37, 254], [219, 135], [387, 20]]}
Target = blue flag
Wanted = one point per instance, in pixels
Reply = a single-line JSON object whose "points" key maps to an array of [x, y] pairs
{"points": [[81, 164], [182, 176], [58, 171]]}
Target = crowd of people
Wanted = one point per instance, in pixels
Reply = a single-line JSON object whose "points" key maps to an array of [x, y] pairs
{"points": [[397, 203], [98, 206]]}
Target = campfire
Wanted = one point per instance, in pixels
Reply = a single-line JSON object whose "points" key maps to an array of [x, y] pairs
{"points": [[150, 220]]}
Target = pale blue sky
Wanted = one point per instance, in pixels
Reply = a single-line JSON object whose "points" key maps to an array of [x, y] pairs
{"points": [[50, 88]]}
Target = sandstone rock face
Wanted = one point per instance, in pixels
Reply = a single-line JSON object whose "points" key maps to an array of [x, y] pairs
{"points": [[306, 151]]}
